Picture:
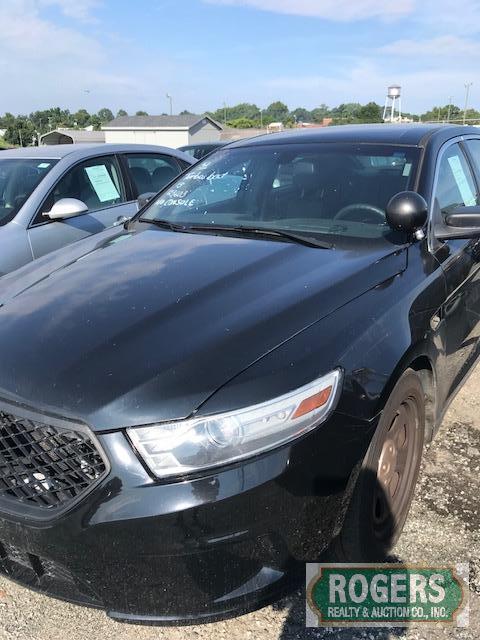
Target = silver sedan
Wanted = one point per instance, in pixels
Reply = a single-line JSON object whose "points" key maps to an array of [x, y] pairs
{"points": [[51, 196]]}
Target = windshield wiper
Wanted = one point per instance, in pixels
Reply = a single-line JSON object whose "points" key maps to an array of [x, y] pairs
{"points": [[308, 241], [164, 224]]}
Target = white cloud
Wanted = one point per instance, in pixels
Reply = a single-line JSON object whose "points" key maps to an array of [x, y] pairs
{"points": [[338, 10], [77, 9], [44, 63], [440, 17], [27, 37], [436, 16], [448, 45]]}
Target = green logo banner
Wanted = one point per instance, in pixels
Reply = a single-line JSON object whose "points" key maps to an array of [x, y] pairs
{"points": [[386, 595]]}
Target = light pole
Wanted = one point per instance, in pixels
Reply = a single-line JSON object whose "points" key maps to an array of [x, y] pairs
{"points": [[467, 94], [169, 97]]}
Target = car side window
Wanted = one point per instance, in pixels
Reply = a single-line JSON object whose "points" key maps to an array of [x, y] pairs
{"points": [[151, 172], [183, 165], [455, 185], [474, 148], [96, 182], [191, 151]]}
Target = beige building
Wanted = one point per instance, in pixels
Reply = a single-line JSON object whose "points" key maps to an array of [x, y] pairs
{"points": [[167, 131]]}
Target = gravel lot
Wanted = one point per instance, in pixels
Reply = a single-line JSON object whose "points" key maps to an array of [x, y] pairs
{"points": [[443, 526]]}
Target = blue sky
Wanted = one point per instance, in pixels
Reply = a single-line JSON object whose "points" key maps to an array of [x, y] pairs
{"points": [[129, 53]]}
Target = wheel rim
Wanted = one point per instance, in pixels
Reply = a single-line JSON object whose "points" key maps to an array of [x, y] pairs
{"points": [[395, 466]]}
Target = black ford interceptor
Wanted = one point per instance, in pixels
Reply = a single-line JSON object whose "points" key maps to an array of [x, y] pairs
{"points": [[194, 405]]}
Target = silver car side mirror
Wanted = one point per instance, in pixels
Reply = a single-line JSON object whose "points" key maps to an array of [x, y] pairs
{"points": [[66, 208]]}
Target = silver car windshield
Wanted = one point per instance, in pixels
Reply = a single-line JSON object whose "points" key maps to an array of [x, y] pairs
{"points": [[333, 189], [18, 179]]}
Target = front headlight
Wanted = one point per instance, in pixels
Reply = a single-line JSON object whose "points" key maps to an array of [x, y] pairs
{"points": [[186, 446]]}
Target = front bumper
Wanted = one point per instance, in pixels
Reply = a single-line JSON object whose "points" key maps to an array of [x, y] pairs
{"points": [[194, 550]]}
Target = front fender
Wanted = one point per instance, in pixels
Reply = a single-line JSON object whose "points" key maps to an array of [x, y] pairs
{"points": [[14, 248], [370, 338]]}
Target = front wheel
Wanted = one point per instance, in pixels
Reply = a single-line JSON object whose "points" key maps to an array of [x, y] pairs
{"points": [[386, 484]]}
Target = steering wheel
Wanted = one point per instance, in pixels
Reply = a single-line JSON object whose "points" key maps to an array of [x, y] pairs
{"points": [[361, 212]]}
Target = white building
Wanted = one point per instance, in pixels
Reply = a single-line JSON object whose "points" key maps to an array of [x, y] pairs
{"points": [[275, 127], [168, 131]]}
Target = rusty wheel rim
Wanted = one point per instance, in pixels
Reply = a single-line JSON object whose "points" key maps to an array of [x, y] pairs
{"points": [[395, 466]]}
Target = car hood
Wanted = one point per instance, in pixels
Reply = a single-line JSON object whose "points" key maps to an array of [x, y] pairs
{"points": [[136, 327]]}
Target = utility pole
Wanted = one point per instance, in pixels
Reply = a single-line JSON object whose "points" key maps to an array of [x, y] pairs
{"points": [[467, 95], [169, 97]]}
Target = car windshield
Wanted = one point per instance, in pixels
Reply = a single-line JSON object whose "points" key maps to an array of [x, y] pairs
{"points": [[335, 190], [18, 178]]}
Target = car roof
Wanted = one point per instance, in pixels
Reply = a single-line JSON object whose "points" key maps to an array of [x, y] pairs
{"points": [[80, 151], [197, 145], [416, 134]]}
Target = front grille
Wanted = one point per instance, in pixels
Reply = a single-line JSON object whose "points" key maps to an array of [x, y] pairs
{"points": [[44, 466]]}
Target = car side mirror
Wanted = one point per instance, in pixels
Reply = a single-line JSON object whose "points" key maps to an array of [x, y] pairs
{"points": [[66, 208], [144, 199], [460, 223], [407, 211]]}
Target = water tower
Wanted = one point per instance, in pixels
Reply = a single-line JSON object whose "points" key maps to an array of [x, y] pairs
{"points": [[393, 104]]}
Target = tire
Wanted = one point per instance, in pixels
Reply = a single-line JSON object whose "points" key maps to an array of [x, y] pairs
{"points": [[386, 483]]}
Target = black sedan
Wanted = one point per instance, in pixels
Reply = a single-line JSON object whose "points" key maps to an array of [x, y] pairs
{"points": [[243, 376]]}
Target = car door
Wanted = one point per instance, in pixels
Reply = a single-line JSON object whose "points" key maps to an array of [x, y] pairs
{"points": [[457, 185], [98, 182], [150, 172]]}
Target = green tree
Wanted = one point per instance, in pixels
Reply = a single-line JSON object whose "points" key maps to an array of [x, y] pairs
{"points": [[95, 122], [21, 132], [277, 112], [370, 112], [301, 115], [105, 115], [121, 112], [242, 123], [49, 119], [472, 114], [81, 118], [321, 112], [141, 113], [444, 113], [242, 110], [346, 112], [7, 120]]}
